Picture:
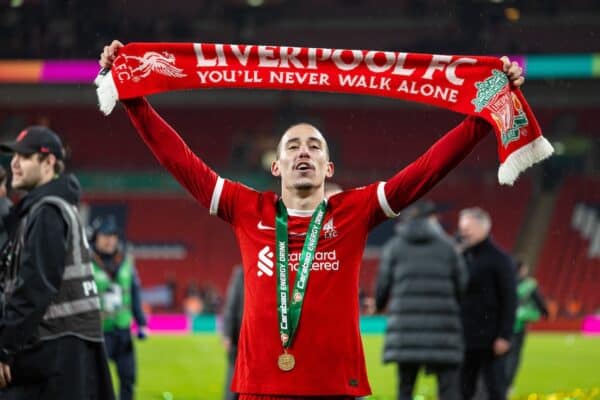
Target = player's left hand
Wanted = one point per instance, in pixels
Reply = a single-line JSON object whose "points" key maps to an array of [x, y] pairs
{"points": [[513, 71]]}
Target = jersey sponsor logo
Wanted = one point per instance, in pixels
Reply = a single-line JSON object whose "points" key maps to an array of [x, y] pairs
{"points": [[265, 262], [323, 261]]}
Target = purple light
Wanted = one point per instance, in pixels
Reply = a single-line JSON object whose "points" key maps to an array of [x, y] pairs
{"points": [[74, 71]]}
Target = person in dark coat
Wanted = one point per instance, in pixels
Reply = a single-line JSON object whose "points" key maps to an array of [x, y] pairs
{"points": [[232, 323], [422, 277], [51, 344], [488, 307]]}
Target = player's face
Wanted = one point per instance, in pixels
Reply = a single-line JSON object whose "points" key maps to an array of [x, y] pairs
{"points": [[303, 159], [26, 171]]}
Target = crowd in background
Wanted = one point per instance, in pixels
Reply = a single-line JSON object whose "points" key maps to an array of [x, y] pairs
{"points": [[75, 29]]}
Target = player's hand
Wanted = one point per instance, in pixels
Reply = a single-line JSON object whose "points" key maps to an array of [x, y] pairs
{"points": [[501, 346], [513, 71], [5, 377], [108, 55]]}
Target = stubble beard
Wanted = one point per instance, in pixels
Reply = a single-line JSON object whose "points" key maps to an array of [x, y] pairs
{"points": [[26, 185], [303, 186]]}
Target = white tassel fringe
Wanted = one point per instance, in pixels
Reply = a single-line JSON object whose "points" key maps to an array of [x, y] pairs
{"points": [[106, 92], [522, 159]]}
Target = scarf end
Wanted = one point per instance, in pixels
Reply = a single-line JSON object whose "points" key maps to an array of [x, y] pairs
{"points": [[523, 158], [106, 92]]}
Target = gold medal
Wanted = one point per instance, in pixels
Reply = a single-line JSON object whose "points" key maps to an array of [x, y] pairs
{"points": [[286, 362]]}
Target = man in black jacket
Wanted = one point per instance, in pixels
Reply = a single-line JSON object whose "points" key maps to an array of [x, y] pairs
{"points": [[50, 335], [488, 307], [424, 275]]}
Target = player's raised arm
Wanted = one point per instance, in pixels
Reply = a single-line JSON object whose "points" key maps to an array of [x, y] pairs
{"points": [[426, 171], [165, 143]]}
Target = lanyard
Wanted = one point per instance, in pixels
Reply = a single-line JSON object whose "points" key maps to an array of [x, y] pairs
{"points": [[289, 312]]}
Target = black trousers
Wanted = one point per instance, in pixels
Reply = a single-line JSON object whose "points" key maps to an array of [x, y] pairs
{"points": [[119, 346], [447, 377], [513, 358], [67, 369], [492, 370]]}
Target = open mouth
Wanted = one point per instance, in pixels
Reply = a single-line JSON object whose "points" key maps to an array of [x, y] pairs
{"points": [[304, 166]]}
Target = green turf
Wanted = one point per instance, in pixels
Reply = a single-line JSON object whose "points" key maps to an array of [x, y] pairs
{"points": [[192, 367]]}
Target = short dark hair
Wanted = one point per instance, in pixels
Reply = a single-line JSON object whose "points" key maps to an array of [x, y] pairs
{"points": [[280, 143]]}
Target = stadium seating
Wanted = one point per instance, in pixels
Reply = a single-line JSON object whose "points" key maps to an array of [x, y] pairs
{"points": [[565, 272], [399, 134], [210, 248]]}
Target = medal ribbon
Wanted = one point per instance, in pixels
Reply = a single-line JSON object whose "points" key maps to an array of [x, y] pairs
{"points": [[289, 311]]}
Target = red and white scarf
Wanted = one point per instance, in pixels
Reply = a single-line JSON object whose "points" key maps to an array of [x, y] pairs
{"points": [[473, 85]]}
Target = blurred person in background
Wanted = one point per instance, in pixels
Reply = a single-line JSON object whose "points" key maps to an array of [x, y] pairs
{"points": [[232, 323], [282, 351], [5, 205], [193, 304], [531, 307], [119, 289], [51, 344], [488, 306], [422, 276]]}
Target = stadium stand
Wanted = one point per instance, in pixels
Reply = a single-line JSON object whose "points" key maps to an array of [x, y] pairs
{"points": [[565, 270]]}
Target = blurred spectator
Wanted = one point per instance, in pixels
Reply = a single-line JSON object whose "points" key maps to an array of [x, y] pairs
{"points": [[488, 308], [574, 308], [553, 309], [193, 304], [531, 307], [424, 276], [5, 205], [211, 299], [232, 323], [119, 288], [365, 302]]}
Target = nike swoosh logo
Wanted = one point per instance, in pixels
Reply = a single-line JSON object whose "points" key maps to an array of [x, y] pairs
{"points": [[271, 228], [264, 227]]}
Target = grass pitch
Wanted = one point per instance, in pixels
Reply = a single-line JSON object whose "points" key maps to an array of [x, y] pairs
{"points": [[192, 367]]}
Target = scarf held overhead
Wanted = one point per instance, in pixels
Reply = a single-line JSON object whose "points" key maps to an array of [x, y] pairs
{"points": [[473, 85]]}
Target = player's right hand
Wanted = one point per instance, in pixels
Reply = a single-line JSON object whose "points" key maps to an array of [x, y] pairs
{"points": [[108, 55]]}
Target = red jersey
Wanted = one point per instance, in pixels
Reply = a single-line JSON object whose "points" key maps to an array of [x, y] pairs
{"points": [[327, 345]]}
